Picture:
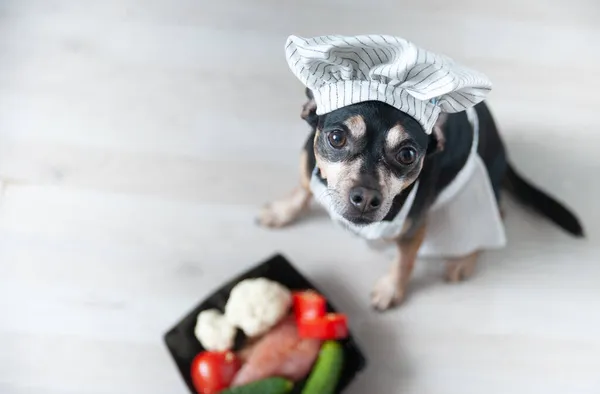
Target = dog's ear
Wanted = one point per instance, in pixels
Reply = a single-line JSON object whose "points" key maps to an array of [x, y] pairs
{"points": [[309, 110], [436, 138]]}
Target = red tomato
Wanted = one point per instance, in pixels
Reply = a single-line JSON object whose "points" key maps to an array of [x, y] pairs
{"points": [[213, 371], [309, 305], [331, 326]]}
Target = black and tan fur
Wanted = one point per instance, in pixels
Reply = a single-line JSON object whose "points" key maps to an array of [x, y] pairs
{"points": [[369, 183]]}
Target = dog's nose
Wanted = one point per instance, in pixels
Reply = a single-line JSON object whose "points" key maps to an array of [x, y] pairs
{"points": [[365, 200]]}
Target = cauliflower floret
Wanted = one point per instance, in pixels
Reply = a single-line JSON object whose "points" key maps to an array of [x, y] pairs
{"points": [[214, 331], [256, 305]]}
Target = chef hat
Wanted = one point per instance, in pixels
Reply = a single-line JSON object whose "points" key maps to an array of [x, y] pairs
{"points": [[344, 70]]}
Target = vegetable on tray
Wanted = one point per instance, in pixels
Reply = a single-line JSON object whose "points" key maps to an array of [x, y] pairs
{"points": [[330, 326], [313, 322], [214, 371], [265, 386], [327, 370], [214, 331], [308, 305], [256, 305]]}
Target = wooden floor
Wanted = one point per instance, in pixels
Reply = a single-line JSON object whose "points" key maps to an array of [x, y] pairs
{"points": [[138, 138]]}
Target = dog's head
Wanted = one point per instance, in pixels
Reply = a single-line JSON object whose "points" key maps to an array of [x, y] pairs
{"points": [[367, 154]]}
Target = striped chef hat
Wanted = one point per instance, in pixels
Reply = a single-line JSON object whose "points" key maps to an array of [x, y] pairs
{"points": [[342, 71]]}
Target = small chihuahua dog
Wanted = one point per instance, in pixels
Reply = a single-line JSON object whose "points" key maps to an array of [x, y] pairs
{"points": [[368, 154]]}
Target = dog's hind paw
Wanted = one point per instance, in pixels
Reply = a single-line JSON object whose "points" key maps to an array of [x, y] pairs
{"points": [[387, 293], [461, 269]]}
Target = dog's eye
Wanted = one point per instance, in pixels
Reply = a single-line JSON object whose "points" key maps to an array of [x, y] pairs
{"points": [[337, 139], [406, 156]]}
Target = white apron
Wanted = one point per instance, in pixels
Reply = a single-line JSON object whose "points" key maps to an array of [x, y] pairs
{"points": [[463, 219]]}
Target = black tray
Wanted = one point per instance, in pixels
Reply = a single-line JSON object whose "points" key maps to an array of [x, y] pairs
{"points": [[184, 346]]}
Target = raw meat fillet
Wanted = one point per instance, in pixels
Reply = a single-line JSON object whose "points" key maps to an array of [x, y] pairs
{"points": [[281, 352]]}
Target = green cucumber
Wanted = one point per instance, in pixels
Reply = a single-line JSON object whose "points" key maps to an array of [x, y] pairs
{"points": [[326, 373], [265, 386]]}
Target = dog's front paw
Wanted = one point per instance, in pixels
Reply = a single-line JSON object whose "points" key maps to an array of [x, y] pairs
{"points": [[387, 293], [286, 210], [276, 214]]}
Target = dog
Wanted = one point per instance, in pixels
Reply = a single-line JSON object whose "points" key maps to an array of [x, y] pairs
{"points": [[356, 152]]}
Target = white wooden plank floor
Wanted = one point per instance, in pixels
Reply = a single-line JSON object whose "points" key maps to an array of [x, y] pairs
{"points": [[138, 139]]}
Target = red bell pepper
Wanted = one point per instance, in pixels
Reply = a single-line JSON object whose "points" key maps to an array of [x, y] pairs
{"points": [[330, 326], [308, 305]]}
